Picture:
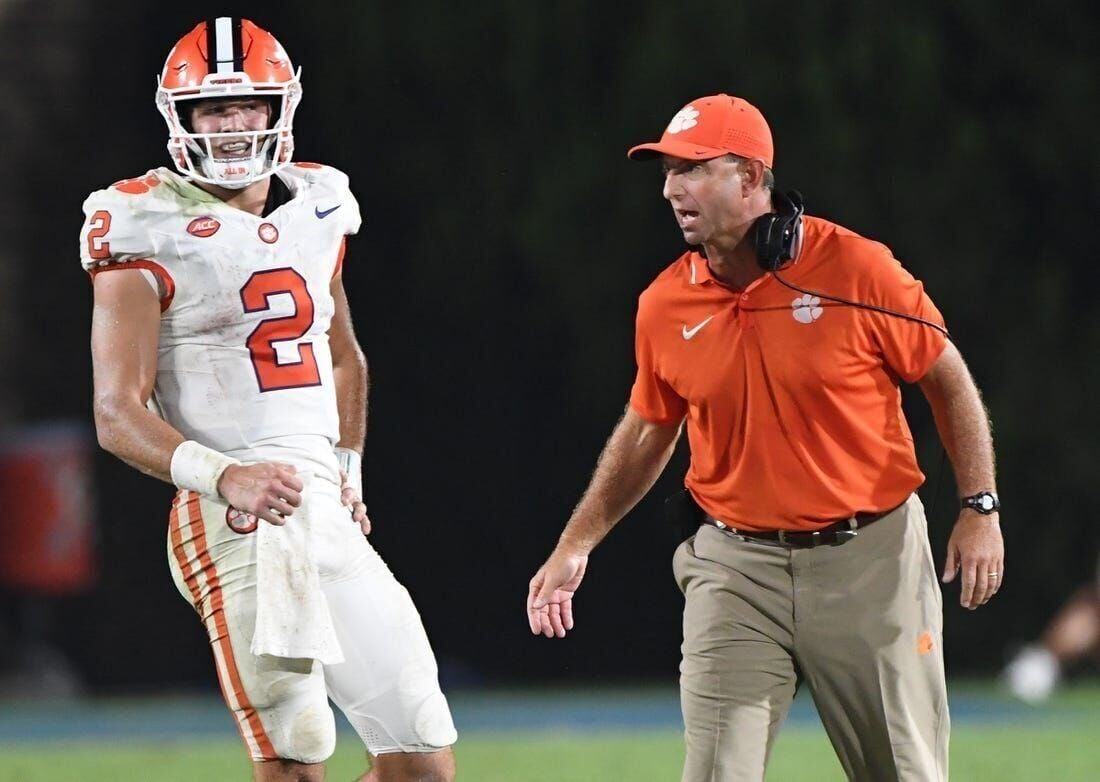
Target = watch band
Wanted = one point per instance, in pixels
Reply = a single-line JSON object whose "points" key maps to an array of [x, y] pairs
{"points": [[984, 502]]}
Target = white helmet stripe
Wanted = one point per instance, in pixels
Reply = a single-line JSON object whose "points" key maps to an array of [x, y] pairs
{"points": [[227, 45]]}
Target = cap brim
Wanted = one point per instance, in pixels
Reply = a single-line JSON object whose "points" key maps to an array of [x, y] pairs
{"points": [[682, 149]]}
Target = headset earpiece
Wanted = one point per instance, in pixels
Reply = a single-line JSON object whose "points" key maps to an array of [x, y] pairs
{"points": [[777, 236]]}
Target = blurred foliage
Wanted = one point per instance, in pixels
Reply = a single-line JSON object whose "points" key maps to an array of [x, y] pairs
{"points": [[507, 236]]}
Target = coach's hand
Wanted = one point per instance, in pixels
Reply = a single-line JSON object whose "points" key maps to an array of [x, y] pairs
{"points": [[351, 500], [977, 550], [550, 596], [268, 490]]}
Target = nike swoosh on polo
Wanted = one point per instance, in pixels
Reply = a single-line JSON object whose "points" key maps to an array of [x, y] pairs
{"points": [[323, 213], [689, 333]]}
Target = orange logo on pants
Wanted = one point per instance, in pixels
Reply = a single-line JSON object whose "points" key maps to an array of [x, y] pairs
{"points": [[924, 643]]}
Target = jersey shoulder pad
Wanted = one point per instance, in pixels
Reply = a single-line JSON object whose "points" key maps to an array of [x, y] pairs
{"points": [[330, 185], [317, 173], [115, 222]]}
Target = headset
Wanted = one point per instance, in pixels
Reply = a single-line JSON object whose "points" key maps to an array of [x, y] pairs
{"points": [[777, 238]]}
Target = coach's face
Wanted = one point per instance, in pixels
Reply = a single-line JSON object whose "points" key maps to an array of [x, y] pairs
{"points": [[707, 198]]}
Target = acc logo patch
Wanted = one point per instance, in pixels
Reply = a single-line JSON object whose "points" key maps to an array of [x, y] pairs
{"points": [[268, 233], [203, 227], [241, 523]]}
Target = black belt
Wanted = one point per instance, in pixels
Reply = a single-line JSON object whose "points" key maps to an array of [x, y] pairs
{"points": [[834, 534]]}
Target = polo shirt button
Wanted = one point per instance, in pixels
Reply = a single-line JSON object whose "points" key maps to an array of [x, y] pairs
{"points": [[744, 297]]}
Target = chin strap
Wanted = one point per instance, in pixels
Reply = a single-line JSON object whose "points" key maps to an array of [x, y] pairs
{"points": [[253, 167]]}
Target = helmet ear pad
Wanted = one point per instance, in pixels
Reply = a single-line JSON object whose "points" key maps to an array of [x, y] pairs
{"points": [[776, 236]]}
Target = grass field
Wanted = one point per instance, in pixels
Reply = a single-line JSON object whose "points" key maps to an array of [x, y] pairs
{"points": [[1059, 741]]}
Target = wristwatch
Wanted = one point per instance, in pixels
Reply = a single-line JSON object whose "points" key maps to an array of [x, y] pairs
{"points": [[985, 502]]}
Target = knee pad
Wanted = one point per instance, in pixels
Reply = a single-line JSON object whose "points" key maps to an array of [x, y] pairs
{"points": [[312, 736], [433, 724], [418, 690]]}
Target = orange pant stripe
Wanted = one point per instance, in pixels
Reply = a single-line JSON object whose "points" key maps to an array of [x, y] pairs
{"points": [[213, 615]]}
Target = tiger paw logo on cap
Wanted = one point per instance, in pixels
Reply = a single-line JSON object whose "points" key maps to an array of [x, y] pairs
{"points": [[685, 118]]}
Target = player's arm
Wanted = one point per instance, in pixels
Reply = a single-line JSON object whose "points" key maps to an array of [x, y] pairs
{"points": [[352, 379], [976, 547], [635, 455], [125, 331], [125, 334]]}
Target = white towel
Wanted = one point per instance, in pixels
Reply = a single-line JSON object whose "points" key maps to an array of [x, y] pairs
{"points": [[292, 616]]}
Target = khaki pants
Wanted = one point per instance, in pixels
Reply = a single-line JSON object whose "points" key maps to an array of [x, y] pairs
{"points": [[859, 623]]}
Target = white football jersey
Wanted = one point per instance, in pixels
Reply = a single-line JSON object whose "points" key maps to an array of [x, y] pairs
{"points": [[243, 363]]}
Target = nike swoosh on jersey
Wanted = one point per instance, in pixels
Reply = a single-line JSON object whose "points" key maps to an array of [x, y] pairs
{"points": [[323, 213], [689, 333]]}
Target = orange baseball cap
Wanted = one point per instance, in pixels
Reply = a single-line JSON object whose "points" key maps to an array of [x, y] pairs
{"points": [[711, 127]]}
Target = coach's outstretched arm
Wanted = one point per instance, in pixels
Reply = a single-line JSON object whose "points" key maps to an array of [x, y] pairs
{"points": [[633, 458], [976, 549]]}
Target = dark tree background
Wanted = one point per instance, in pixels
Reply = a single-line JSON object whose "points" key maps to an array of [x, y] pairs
{"points": [[506, 238]]}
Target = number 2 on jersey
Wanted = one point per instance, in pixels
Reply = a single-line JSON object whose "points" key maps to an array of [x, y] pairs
{"points": [[255, 296], [98, 226]]}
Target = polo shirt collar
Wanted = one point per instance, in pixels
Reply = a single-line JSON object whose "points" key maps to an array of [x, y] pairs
{"points": [[699, 273]]}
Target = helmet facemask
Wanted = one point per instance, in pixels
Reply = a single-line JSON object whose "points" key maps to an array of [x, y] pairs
{"points": [[193, 153]]}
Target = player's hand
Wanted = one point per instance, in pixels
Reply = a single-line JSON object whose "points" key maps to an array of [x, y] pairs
{"points": [[268, 490], [355, 503], [977, 550], [550, 596]]}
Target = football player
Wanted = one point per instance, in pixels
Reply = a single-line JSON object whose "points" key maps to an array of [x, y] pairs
{"points": [[225, 363]]}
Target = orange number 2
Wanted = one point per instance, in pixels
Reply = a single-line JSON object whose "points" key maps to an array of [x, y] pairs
{"points": [[255, 296], [100, 223]]}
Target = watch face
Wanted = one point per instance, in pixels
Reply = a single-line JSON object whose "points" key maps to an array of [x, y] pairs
{"points": [[985, 502]]}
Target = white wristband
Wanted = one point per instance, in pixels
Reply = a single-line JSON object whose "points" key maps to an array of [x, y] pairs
{"points": [[198, 468], [352, 465]]}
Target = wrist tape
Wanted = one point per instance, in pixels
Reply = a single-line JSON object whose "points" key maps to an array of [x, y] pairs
{"points": [[198, 468], [352, 465]]}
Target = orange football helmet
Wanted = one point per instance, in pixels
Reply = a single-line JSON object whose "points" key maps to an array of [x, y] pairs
{"points": [[228, 57]]}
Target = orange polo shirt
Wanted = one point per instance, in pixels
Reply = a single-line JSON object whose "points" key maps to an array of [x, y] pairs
{"points": [[793, 404]]}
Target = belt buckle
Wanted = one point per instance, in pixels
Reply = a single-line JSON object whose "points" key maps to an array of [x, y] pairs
{"points": [[844, 535], [791, 539]]}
